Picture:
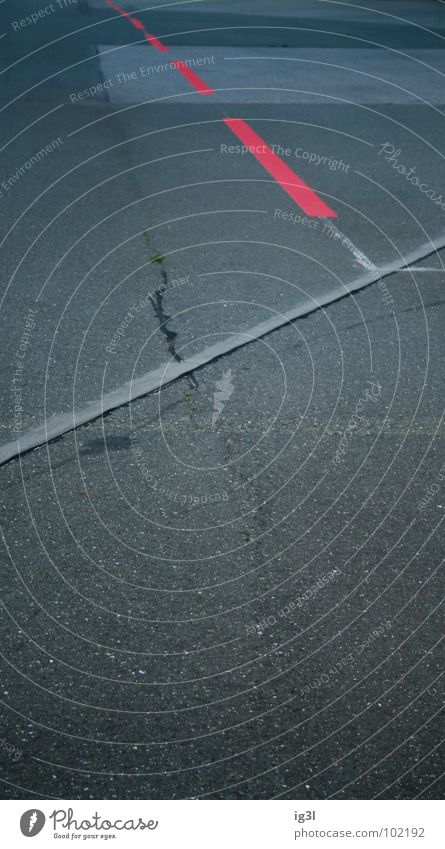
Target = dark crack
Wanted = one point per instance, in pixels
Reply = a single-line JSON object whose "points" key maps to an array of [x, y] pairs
{"points": [[170, 335]]}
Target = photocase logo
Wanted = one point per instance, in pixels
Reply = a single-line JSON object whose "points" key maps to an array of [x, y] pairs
{"points": [[225, 388], [32, 822]]}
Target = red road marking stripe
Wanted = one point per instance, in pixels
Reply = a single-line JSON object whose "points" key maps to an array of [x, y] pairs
{"points": [[155, 42], [139, 25], [117, 8], [192, 78], [298, 190], [295, 187]]}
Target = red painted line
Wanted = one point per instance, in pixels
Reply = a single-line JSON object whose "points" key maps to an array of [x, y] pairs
{"points": [[192, 78], [180, 66], [295, 187], [298, 190], [137, 23], [117, 8], [155, 42]]}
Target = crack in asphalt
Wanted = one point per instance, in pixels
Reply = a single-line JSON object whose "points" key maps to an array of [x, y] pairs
{"points": [[170, 335], [60, 424]]}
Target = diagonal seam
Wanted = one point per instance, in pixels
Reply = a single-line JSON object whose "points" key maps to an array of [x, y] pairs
{"points": [[60, 425]]}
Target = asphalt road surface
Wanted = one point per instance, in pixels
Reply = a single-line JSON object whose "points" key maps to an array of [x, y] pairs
{"points": [[222, 547]]}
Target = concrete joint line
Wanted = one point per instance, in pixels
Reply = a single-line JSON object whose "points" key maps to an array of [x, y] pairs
{"points": [[59, 425]]}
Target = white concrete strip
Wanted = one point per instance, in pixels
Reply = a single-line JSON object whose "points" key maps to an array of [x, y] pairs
{"points": [[272, 75], [59, 425], [358, 255]]}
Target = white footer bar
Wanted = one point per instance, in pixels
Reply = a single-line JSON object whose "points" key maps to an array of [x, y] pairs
{"points": [[221, 824]]}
